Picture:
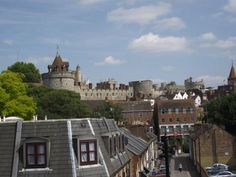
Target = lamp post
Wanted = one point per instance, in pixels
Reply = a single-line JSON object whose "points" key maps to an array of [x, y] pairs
{"points": [[166, 155], [181, 138]]}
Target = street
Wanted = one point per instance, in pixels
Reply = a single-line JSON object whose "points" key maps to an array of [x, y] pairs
{"points": [[188, 167]]}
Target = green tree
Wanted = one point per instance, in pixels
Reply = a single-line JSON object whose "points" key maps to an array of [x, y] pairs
{"points": [[221, 111], [28, 69], [58, 104], [110, 111], [13, 96]]}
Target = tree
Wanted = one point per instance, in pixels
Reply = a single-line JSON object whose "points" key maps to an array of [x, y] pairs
{"points": [[28, 69], [222, 111], [110, 111], [58, 104], [13, 96]]}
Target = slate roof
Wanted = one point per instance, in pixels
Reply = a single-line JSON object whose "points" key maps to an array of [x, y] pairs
{"points": [[135, 105], [135, 145], [63, 162], [7, 139]]}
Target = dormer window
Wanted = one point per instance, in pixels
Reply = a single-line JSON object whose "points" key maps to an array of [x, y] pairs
{"points": [[88, 152], [36, 155]]}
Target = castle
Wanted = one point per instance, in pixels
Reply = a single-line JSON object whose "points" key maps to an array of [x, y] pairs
{"points": [[60, 77]]}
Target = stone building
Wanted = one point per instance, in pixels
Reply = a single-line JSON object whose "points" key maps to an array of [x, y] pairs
{"points": [[60, 77], [190, 84], [144, 89]]}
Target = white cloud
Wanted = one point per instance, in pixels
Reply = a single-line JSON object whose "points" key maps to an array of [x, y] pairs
{"points": [[171, 23], [140, 15], [110, 61], [154, 43], [90, 2], [208, 37], [167, 68], [209, 40], [231, 6], [212, 80], [7, 41]]}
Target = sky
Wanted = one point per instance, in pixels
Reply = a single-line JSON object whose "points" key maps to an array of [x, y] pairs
{"points": [[127, 40]]}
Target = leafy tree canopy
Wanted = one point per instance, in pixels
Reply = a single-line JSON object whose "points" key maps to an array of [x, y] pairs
{"points": [[28, 69], [58, 104], [13, 96], [110, 111], [221, 111]]}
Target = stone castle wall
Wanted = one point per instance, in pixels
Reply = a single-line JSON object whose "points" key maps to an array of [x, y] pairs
{"points": [[101, 94], [66, 80], [63, 80]]}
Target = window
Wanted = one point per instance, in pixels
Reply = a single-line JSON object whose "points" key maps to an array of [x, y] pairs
{"points": [[36, 155], [163, 120], [111, 153], [88, 152], [114, 146]]}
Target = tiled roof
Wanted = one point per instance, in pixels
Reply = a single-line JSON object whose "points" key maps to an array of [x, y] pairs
{"points": [[175, 103]]}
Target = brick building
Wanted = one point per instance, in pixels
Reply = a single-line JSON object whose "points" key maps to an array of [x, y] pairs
{"points": [[175, 117], [210, 144], [137, 112]]}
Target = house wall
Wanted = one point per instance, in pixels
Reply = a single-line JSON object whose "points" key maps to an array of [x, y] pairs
{"points": [[138, 117], [214, 145]]}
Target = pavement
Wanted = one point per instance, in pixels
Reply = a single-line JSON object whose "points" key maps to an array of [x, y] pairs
{"points": [[188, 170]]}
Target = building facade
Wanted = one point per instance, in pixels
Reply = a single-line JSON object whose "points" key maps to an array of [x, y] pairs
{"points": [[175, 117], [210, 144]]}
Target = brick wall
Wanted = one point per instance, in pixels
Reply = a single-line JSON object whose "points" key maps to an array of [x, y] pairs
{"points": [[215, 145]]}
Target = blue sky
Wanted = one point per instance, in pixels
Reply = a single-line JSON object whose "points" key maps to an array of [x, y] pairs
{"points": [[160, 40]]}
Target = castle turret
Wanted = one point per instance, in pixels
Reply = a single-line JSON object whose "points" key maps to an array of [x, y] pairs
{"points": [[78, 76], [59, 76]]}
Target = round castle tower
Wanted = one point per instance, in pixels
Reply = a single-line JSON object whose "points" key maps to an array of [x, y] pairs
{"points": [[59, 76]]}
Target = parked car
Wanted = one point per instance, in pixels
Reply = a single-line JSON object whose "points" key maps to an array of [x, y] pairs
{"points": [[162, 168], [225, 174], [216, 168]]}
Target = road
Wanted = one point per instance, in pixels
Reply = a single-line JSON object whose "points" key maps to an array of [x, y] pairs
{"points": [[188, 167]]}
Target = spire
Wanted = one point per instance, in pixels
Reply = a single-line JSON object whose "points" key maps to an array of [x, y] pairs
{"points": [[57, 50], [232, 74]]}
